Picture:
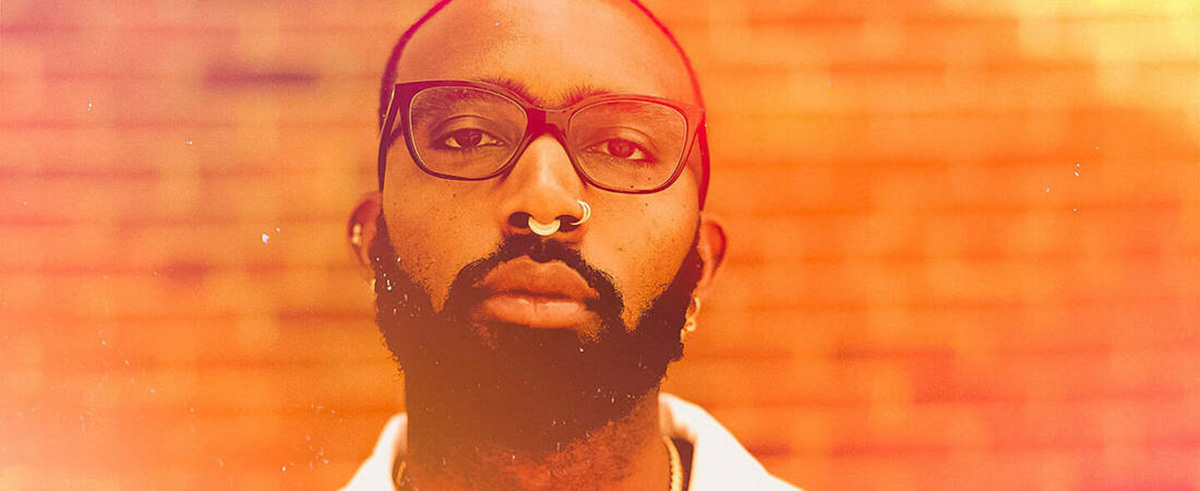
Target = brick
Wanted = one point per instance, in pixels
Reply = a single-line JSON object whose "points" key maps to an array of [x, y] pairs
{"points": [[903, 302]]}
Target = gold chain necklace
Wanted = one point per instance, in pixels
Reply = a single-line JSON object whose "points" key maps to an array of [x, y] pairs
{"points": [[676, 467]]}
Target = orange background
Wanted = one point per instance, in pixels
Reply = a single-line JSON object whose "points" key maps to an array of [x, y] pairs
{"points": [[965, 241]]}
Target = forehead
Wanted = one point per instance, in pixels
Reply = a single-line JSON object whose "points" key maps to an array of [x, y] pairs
{"points": [[552, 48]]}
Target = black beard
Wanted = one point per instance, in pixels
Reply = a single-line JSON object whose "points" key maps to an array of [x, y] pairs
{"points": [[533, 391]]}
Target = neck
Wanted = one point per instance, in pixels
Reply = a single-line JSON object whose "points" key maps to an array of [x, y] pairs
{"points": [[627, 454]]}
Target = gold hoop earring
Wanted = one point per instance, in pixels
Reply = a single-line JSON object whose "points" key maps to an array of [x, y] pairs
{"points": [[689, 324]]}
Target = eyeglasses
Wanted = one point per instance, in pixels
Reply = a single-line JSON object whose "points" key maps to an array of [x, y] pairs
{"points": [[474, 131]]}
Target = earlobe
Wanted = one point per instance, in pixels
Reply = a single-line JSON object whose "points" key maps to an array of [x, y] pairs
{"points": [[712, 246], [361, 229]]}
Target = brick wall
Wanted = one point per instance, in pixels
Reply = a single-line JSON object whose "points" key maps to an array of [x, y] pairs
{"points": [[965, 242]]}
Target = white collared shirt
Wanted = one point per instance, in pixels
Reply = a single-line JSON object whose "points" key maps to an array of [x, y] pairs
{"points": [[719, 463]]}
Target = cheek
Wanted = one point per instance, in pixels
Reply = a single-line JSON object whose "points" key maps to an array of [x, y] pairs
{"points": [[642, 246], [432, 230]]}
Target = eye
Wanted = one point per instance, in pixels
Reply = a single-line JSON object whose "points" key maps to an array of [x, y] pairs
{"points": [[470, 138], [621, 148]]}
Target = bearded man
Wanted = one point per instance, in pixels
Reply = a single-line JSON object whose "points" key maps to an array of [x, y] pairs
{"points": [[540, 249]]}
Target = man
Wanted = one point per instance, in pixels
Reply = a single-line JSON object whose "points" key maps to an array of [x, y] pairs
{"points": [[539, 250]]}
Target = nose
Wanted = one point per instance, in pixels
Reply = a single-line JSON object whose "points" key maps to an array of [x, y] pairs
{"points": [[543, 186]]}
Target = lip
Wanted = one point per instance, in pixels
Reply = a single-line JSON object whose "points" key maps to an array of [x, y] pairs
{"points": [[547, 295]]}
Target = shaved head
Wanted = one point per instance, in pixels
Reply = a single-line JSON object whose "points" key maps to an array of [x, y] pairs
{"points": [[506, 10]]}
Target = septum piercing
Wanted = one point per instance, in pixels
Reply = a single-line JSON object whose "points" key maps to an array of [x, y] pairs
{"points": [[546, 229]]}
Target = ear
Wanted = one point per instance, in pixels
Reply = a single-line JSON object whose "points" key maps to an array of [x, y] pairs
{"points": [[712, 251], [361, 230]]}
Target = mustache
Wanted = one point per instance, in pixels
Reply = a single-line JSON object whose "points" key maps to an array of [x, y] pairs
{"points": [[608, 304]]}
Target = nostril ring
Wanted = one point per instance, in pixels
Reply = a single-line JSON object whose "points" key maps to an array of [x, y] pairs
{"points": [[587, 212]]}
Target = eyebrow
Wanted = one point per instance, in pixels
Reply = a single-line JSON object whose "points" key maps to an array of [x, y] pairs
{"points": [[566, 98]]}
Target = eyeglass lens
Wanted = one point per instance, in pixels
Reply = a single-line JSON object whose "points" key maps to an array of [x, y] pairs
{"points": [[471, 133]]}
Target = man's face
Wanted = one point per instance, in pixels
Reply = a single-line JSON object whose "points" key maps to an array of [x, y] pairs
{"points": [[552, 49], [439, 240]]}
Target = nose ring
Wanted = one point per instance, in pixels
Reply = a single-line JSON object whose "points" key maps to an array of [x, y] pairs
{"points": [[546, 229], [587, 212]]}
